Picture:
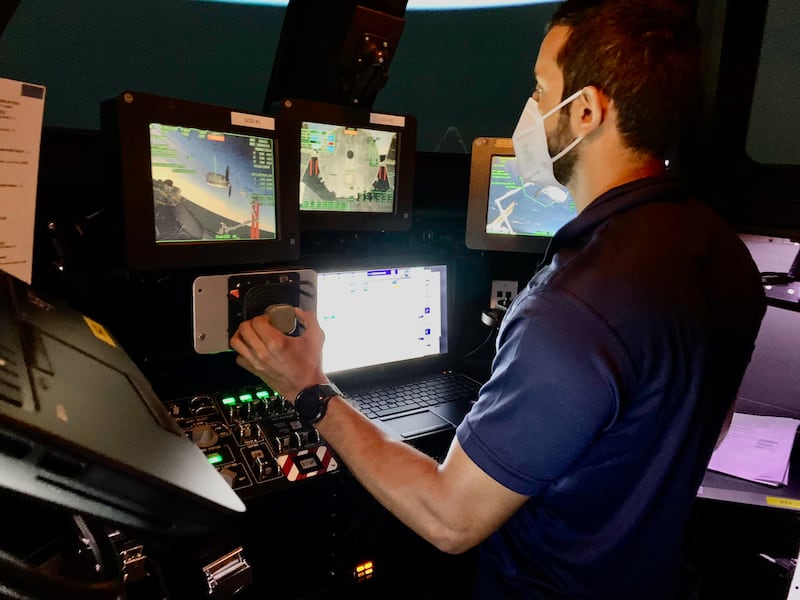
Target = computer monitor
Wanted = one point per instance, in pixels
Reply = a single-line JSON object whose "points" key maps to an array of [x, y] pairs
{"points": [[388, 311], [353, 169], [504, 214], [200, 184]]}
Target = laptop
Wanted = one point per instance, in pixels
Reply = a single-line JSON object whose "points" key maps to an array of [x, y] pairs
{"points": [[387, 329], [81, 428]]}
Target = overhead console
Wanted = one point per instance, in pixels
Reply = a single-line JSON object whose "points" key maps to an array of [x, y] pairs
{"points": [[337, 52]]}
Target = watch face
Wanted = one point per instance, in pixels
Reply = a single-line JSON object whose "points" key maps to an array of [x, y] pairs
{"points": [[312, 402], [308, 403]]}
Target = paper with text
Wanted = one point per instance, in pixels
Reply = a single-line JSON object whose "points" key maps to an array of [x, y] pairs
{"points": [[21, 116], [757, 448]]}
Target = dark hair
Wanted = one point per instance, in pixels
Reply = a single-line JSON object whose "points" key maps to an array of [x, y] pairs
{"points": [[644, 55]]}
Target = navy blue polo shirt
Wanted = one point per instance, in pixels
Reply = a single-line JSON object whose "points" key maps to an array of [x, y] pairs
{"points": [[615, 368]]}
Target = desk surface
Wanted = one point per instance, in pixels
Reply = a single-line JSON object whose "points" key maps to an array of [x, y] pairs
{"points": [[717, 486]]}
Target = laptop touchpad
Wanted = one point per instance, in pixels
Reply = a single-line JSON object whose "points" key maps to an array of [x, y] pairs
{"points": [[415, 424]]}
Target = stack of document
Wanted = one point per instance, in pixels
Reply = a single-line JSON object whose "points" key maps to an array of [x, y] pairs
{"points": [[757, 448], [21, 113]]}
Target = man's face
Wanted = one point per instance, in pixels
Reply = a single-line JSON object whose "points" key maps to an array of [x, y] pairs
{"points": [[548, 94]]}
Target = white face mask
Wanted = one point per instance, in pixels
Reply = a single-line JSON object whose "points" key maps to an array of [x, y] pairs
{"points": [[534, 163]]}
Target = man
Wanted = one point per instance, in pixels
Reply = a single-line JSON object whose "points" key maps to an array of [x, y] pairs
{"points": [[615, 367]]}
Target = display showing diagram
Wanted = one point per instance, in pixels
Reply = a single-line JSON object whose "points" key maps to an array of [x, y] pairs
{"points": [[524, 209], [347, 169]]}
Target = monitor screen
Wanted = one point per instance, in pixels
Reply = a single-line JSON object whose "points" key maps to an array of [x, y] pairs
{"points": [[347, 169], [353, 168], [200, 184], [382, 314], [505, 214], [211, 185]]}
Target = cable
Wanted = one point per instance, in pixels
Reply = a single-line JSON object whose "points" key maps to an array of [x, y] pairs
{"points": [[482, 344]]}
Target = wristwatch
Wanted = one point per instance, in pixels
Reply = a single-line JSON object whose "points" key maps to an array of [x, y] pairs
{"points": [[312, 402]]}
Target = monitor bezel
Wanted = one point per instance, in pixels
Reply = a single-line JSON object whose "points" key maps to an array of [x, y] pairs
{"points": [[126, 122], [296, 111], [484, 149]]}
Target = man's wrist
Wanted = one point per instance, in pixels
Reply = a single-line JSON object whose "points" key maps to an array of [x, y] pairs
{"points": [[311, 403]]}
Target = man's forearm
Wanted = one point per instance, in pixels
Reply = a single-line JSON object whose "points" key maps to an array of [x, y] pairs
{"points": [[404, 480]]}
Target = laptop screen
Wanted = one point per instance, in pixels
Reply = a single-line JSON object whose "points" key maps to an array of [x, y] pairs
{"points": [[383, 315]]}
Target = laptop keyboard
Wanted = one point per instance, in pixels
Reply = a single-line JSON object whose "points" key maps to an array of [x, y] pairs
{"points": [[395, 399]]}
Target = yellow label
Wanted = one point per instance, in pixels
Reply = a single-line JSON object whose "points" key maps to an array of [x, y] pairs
{"points": [[100, 332], [784, 502]]}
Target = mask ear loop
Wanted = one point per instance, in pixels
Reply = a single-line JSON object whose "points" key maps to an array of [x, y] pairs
{"points": [[569, 147], [577, 140], [562, 104]]}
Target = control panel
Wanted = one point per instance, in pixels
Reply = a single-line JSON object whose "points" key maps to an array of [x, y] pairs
{"points": [[254, 438]]}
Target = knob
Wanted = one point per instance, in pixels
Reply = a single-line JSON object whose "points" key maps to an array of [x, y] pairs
{"points": [[204, 436]]}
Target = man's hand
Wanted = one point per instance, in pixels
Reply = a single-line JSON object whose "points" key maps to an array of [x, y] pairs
{"points": [[286, 364]]}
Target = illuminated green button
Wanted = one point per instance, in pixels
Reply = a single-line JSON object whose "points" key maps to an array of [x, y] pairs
{"points": [[261, 394], [229, 401], [246, 397], [215, 458]]}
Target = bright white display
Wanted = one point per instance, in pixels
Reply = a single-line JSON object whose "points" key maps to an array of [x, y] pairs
{"points": [[380, 315]]}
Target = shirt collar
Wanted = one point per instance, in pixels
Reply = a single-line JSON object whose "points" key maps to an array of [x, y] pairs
{"points": [[615, 201]]}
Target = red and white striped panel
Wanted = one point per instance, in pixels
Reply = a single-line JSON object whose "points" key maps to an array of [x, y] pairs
{"points": [[290, 470]]}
